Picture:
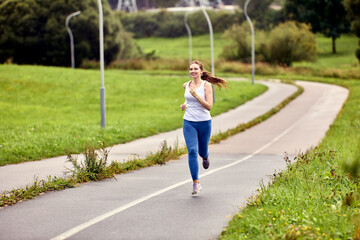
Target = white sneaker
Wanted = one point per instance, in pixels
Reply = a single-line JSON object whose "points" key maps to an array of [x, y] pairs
{"points": [[196, 188]]}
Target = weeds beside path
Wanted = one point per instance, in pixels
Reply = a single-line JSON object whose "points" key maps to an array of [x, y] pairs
{"points": [[56, 110], [95, 168], [318, 196]]}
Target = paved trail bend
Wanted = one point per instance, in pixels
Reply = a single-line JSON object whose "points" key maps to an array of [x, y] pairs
{"points": [[19, 175], [155, 203]]}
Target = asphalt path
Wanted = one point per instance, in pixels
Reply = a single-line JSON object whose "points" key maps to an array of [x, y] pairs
{"points": [[16, 176], [156, 202]]}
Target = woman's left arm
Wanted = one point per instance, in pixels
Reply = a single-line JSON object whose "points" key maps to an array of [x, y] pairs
{"points": [[208, 102]]}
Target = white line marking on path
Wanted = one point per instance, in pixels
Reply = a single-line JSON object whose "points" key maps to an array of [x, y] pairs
{"points": [[100, 218]]}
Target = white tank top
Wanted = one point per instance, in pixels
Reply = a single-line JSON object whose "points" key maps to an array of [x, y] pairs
{"points": [[195, 112]]}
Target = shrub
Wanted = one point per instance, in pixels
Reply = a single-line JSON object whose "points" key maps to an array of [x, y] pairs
{"points": [[287, 43], [290, 42], [93, 167], [90, 64], [239, 46], [169, 24]]}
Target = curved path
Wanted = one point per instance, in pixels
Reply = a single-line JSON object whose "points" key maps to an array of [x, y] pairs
{"points": [[155, 203], [19, 175]]}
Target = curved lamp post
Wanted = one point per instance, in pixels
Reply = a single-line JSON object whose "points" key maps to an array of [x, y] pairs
{"points": [[211, 40], [211, 46], [190, 36], [252, 42], [71, 36], [101, 42]]}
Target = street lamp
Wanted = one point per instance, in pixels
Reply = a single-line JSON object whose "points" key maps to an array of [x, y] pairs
{"points": [[252, 43], [190, 36], [71, 36], [211, 40], [211, 46], [101, 42]]}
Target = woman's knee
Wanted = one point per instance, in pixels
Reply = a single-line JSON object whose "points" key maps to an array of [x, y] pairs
{"points": [[192, 151]]}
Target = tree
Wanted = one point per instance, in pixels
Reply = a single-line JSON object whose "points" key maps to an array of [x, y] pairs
{"points": [[164, 3], [21, 31], [33, 32], [260, 11], [353, 9], [256, 8], [325, 16]]}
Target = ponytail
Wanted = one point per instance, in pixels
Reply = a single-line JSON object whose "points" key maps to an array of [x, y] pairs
{"points": [[221, 83]]}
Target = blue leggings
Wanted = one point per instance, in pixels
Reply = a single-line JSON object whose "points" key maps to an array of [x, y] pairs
{"points": [[197, 137]]}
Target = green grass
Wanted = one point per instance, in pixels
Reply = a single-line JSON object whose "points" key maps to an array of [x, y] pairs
{"points": [[344, 58], [95, 167], [48, 111], [315, 198], [168, 48]]}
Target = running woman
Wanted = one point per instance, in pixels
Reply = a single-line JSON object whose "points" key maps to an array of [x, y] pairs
{"points": [[197, 118]]}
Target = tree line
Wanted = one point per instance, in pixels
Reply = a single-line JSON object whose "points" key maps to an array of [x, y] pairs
{"points": [[34, 32]]}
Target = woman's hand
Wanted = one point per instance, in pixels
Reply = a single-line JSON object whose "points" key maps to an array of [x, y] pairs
{"points": [[183, 106], [192, 91]]}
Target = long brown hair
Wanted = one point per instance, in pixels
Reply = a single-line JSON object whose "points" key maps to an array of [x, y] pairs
{"points": [[210, 78]]}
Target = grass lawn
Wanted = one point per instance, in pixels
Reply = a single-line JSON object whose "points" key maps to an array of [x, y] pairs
{"points": [[47, 111], [344, 58], [167, 48]]}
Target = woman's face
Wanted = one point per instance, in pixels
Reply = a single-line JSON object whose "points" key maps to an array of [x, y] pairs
{"points": [[195, 71]]}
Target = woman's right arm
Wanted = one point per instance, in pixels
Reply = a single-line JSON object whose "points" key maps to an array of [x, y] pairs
{"points": [[183, 106]]}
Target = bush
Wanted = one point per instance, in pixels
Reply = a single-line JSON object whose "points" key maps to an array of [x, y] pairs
{"points": [[239, 47], [129, 64], [90, 64], [151, 64], [290, 42], [169, 24], [286, 43]]}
